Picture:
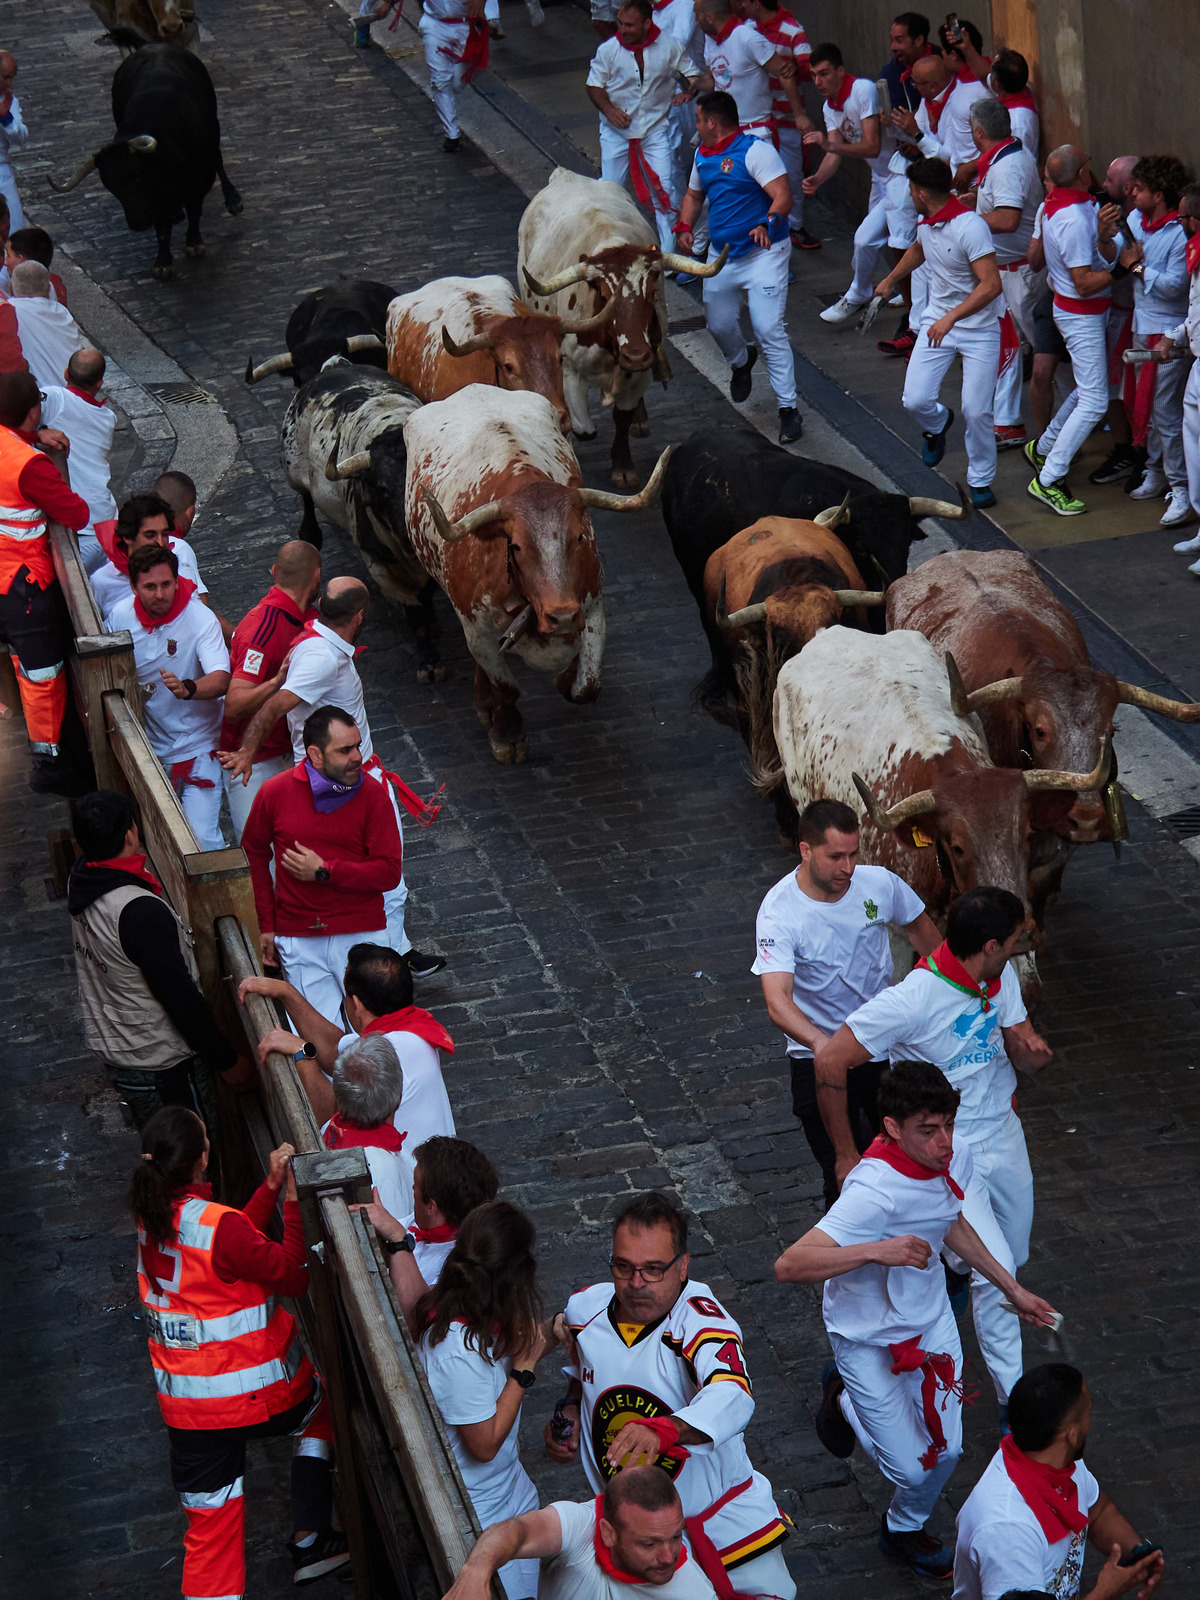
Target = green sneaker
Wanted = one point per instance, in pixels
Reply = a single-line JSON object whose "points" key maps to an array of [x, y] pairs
{"points": [[1058, 497], [1036, 461]]}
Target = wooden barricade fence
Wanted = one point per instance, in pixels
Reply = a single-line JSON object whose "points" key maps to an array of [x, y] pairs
{"points": [[402, 1502]]}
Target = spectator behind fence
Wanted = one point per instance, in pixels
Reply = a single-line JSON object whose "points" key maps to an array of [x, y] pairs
{"points": [[143, 519], [143, 1012], [479, 1340], [1025, 1523], [86, 418], [36, 333], [227, 1358], [31, 244], [179, 492], [368, 1084], [13, 134]]}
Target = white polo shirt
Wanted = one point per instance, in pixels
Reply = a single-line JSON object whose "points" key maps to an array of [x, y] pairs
{"points": [[738, 66], [949, 248], [924, 1018], [1001, 1545], [645, 95], [190, 647], [886, 1305], [954, 128], [321, 672], [89, 425], [838, 952], [111, 587], [1012, 181], [1026, 126], [424, 1110], [861, 102], [576, 1575], [1070, 238]]}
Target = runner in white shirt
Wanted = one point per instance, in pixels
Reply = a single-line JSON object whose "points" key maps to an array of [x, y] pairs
{"points": [[183, 672], [741, 62], [962, 1010], [659, 1363], [455, 37], [919, 133], [1025, 1524], [776, 23], [88, 422], [895, 1385], [632, 82], [1008, 196], [611, 1548], [676, 19], [960, 317], [823, 949]]}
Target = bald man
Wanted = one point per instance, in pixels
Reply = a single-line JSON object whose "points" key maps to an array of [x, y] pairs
{"points": [[36, 333], [80, 411], [1123, 460], [13, 134], [258, 654]]}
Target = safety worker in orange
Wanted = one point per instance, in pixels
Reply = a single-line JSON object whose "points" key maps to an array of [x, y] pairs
{"points": [[227, 1357], [33, 614]]}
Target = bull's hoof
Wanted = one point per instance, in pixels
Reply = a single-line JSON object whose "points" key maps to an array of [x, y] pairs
{"points": [[509, 752], [233, 204], [639, 430], [625, 478], [431, 672], [162, 272], [584, 436], [195, 250]]}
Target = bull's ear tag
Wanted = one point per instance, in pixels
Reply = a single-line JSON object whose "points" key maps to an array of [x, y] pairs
{"points": [[921, 839]]}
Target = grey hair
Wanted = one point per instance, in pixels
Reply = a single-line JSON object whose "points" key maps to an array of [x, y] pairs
{"points": [[30, 281], [991, 118], [368, 1081]]}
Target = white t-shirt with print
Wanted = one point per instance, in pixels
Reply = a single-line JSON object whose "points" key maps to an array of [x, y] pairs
{"points": [[575, 1574], [886, 1305], [838, 951], [1001, 1545], [950, 247], [191, 646], [738, 66], [924, 1018], [861, 102]]}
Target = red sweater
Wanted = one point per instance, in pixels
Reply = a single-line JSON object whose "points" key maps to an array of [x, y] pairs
{"points": [[359, 843], [241, 1250]]}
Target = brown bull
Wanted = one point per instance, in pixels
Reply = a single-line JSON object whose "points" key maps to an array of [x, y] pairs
{"points": [[131, 23]]}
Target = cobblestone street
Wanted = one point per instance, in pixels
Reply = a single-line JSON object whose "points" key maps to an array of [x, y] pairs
{"points": [[596, 907]]}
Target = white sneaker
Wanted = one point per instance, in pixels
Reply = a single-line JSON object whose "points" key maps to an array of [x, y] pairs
{"points": [[845, 310], [897, 299], [1195, 568], [1152, 487], [1179, 510], [1188, 547]]}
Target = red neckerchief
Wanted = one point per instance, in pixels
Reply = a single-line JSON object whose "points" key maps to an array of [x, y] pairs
{"points": [[953, 208], [882, 1149], [411, 1019], [1021, 101], [135, 866], [1059, 199], [843, 94], [1193, 253], [985, 161], [721, 144], [951, 970], [1051, 1493], [720, 38], [84, 395], [444, 1233], [938, 1370], [183, 593], [339, 1135], [604, 1558], [636, 49], [908, 71], [1153, 227], [937, 105], [964, 74]]}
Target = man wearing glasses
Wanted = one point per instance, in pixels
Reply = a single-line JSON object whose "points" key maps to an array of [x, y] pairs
{"points": [[658, 1375]]}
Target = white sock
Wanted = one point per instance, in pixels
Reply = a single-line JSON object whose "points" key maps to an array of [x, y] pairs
{"points": [[304, 1544]]}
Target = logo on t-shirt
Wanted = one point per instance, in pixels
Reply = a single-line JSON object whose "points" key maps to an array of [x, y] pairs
{"points": [[613, 1410], [871, 909], [727, 165], [172, 646], [252, 665]]}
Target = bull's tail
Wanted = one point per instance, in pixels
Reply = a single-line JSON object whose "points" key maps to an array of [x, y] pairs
{"points": [[756, 667]]}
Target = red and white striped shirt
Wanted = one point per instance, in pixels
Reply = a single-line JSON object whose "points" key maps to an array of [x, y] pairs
{"points": [[789, 38]]}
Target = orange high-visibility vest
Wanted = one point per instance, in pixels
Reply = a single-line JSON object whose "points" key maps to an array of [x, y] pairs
{"points": [[23, 540], [225, 1355]]}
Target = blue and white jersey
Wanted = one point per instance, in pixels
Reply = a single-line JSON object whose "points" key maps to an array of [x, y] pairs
{"points": [[732, 176]]}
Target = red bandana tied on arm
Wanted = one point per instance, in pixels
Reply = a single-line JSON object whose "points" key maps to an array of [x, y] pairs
{"points": [[938, 1374], [474, 53], [882, 1149], [340, 1135], [1059, 199], [951, 970], [412, 1019], [604, 1558], [1051, 1493], [135, 866], [183, 593], [953, 208]]}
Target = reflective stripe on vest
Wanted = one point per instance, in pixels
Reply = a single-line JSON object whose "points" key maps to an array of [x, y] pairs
{"points": [[192, 1232], [213, 1330], [22, 522], [223, 1385]]}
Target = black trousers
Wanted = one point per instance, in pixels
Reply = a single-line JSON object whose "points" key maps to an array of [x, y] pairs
{"points": [[862, 1106]]}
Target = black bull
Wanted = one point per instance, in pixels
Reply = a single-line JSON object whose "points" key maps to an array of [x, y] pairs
{"points": [[343, 319], [166, 153]]}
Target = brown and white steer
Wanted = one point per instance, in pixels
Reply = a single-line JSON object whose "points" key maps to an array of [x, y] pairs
{"points": [[583, 244], [868, 720], [456, 331], [498, 514]]}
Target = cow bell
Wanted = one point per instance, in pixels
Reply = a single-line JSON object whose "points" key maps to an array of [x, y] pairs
{"points": [[1114, 815]]}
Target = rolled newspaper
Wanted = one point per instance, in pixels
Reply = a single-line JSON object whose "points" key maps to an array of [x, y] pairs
{"points": [[1138, 358]]}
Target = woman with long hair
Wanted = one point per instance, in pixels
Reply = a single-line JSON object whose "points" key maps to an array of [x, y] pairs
{"points": [[228, 1362], [479, 1339]]}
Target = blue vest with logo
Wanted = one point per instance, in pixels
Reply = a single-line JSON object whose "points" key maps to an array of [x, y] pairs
{"points": [[736, 201]]}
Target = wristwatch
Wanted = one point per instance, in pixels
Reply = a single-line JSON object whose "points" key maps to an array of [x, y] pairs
{"points": [[306, 1052], [524, 1377], [322, 874], [393, 1247], [190, 685]]}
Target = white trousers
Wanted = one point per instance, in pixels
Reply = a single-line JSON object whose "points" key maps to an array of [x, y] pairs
{"points": [[445, 76], [1191, 434], [656, 148], [202, 807], [888, 1417], [919, 289], [759, 282], [394, 899], [1022, 287], [317, 966], [1087, 350], [767, 1575], [891, 219], [791, 153], [241, 796], [1164, 436], [927, 369], [8, 188]]}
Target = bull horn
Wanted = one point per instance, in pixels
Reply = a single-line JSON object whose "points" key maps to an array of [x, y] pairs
{"points": [[859, 597], [61, 188], [745, 618], [919, 506], [834, 516], [452, 532], [143, 144], [560, 280], [358, 342], [991, 694], [276, 364], [347, 466], [1128, 694], [1082, 781], [590, 324], [959, 702], [889, 819], [599, 500], [884, 581], [689, 264], [469, 348]]}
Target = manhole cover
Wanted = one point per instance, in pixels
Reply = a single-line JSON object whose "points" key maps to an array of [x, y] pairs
{"points": [[1185, 823], [181, 394]]}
